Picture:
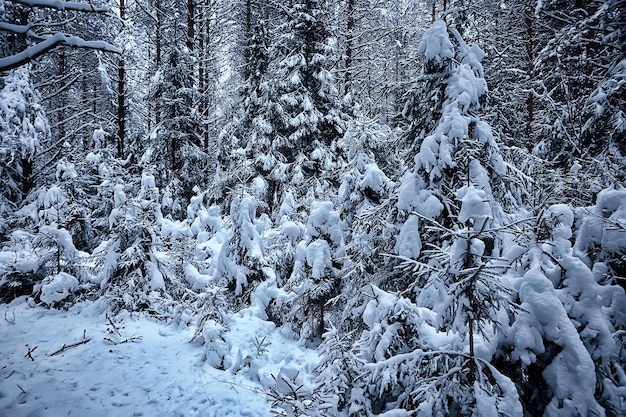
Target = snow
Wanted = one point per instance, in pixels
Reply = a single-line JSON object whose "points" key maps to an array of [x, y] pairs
{"points": [[324, 220], [195, 278], [374, 178], [465, 87], [47, 44], [409, 243], [318, 258], [242, 213], [571, 374], [435, 44], [99, 138], [21, 116], [66, 5], [474, 205], [414, 197], [58, 287], [605, 225], [291, 229], [133, 365], [65, 170]]}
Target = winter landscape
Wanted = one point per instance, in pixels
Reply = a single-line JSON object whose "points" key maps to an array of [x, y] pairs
{"points": [[313, 208]]}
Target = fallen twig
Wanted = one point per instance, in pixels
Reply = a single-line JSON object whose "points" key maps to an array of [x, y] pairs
{"points": [[71, 345], [127, 340], [29, 354], [113, 328]]}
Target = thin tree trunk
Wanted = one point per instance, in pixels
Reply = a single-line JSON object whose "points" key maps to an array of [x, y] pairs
{"points": [[349, 48], [121, 95], [530, 59], [206, 39], [157, 56], [121, 107]]}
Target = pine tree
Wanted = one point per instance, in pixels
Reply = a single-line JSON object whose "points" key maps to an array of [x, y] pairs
{"points": [[365, 201], [247, 153], [134, 268], [601, 245]]}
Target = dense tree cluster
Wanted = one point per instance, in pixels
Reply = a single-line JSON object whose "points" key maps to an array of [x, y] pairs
{"points": [[431, 194]]}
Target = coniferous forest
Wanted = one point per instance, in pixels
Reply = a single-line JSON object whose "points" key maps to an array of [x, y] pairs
{"points": [[345, 208]]}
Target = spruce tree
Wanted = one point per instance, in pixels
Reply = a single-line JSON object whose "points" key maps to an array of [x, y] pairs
{"points": [[308, 116]]}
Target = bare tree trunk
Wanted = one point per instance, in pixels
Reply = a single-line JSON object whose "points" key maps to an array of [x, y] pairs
{"points": [[157, 57], [26, 161], [121, 95], [530, 58], [433, 11], [191, 24], [121, 107], [204, 71], [349, 48]]}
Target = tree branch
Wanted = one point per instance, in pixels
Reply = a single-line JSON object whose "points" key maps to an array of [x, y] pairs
{"points": [[51, 42], [71, 345], [63, 5], [13, 28]]}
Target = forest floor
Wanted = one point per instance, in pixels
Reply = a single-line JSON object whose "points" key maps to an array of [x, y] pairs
{"points": [[84, 362]]}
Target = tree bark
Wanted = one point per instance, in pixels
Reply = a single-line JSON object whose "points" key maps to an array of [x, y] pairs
{"points": [[121, 95], [349, 48]]}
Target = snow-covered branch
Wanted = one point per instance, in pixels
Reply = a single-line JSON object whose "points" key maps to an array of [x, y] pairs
{"points": [[13, 28], [64, 5], [51, 42]]}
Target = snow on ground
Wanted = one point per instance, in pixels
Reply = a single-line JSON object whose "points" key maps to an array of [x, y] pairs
{"points": [[156, 372]]}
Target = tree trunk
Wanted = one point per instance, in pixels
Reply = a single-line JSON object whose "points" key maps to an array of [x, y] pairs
{"points": [[349, 48], [121, 95], [191, 35], [530, 61], [121, 107], [157, 55], [27, 176]]}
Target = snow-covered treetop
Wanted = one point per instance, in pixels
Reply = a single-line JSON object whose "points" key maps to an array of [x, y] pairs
{"points": [[324, 220]]}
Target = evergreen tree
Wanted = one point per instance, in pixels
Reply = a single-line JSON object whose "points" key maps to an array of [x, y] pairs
{"points": [[580, 101], [449, 251], [242, 257], [309, 119], [366, 204], [23, 126], [247, 153], [543, 347], [461, 151], [135, 270], [318, 268], [176, 146]]}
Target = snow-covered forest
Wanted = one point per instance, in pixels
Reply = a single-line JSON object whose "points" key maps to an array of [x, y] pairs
{"points": [[313, 208]]}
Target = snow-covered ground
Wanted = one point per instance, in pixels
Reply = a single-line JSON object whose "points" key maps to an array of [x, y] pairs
{"points": [[133, 365]]}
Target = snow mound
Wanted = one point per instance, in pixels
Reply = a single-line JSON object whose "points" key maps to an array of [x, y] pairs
{"points": [[58, 287]]}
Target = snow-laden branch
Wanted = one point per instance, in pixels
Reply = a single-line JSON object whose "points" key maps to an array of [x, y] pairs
{"points": [[64, 5], [51, 42], [13, 28]]}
